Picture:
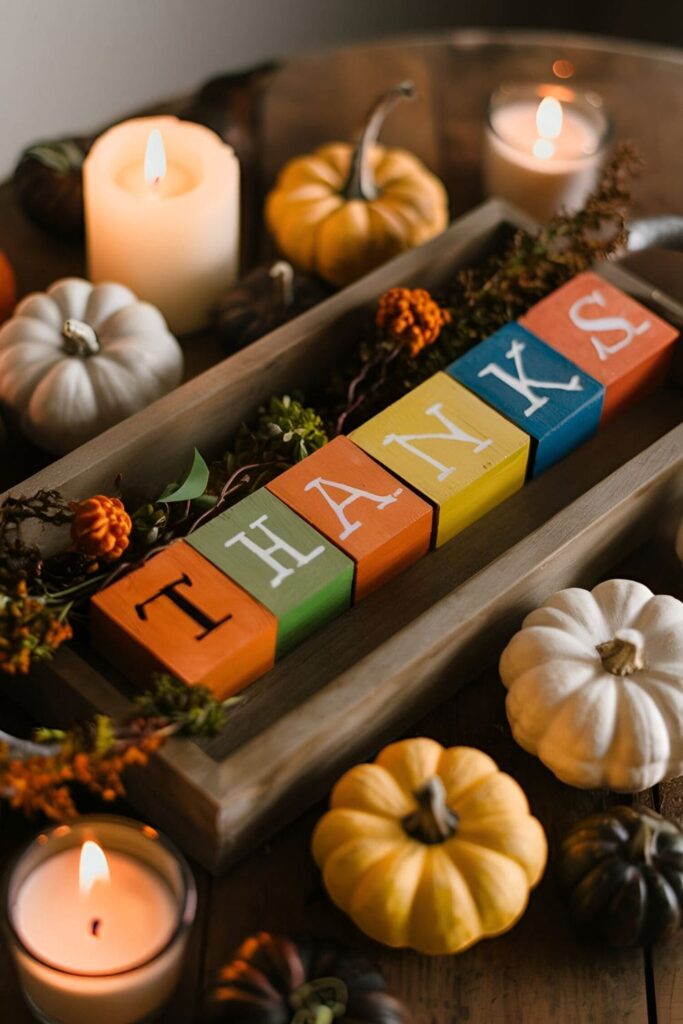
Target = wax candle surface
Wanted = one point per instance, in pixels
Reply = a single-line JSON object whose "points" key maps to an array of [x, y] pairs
{"points": [[119, 924], [516, 125], [172, 236], [541, 171]]}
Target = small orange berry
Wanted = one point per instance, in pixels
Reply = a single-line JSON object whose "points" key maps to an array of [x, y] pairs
{"points": [[411, 317], [101, 527]]}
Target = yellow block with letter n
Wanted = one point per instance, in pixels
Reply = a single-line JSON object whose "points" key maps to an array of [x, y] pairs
{"points": [[452, 448]]}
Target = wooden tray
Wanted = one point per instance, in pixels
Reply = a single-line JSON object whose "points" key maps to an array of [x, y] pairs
{"points": [[368, 675]]}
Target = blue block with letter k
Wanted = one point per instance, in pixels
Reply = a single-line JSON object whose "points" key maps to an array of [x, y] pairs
{"points": [[548, 396]]}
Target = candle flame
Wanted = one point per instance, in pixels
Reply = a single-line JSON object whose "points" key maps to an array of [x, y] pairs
{"points": [[549, 118], [93, 867], [155, 158], [548, 126]]}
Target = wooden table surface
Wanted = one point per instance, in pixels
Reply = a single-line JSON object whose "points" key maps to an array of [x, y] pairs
{"points": [[538, 973]]}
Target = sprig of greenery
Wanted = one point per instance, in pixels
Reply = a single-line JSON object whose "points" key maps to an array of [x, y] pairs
{"points": [[191, 710], [38, 775], [285, 432]]}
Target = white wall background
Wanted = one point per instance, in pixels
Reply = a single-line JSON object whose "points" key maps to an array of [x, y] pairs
{"points": [[73, 65]]}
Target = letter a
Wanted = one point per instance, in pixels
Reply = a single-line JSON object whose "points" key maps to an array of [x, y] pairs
{"points": [[354, 493], [267, 555], [454, 434], [605, 323], [522, 384]]}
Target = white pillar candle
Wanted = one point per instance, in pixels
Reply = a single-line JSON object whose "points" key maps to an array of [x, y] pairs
{"points": [[99, 925], [161, 200], [544, 148]]}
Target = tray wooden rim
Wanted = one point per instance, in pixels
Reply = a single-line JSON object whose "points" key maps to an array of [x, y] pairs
{"points": [[230, 806]]}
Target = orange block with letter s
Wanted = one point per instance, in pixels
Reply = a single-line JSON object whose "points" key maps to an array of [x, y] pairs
{"points": [[608, 334]]}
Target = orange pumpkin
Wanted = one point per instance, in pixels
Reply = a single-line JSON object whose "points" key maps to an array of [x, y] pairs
{"points": [[8, 287], [343, 210]]}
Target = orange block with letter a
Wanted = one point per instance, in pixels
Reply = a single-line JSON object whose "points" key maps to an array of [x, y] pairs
{"points": [[608, 334], [180, 614], [353, 501]]}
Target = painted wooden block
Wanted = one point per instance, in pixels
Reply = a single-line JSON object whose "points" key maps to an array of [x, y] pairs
{"points": [[608, 334], [535, 387], [452, 448], [377, 521], [177, 613], [281, 561]]}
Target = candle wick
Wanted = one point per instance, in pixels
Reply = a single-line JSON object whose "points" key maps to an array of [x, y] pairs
{"points": [[95, 927]]}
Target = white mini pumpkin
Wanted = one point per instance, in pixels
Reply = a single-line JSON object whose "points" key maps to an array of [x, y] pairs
{"points": [[595, 686], [80, 357]]}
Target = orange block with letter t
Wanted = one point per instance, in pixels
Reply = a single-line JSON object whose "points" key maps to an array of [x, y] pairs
{"points": [[180, 614]]}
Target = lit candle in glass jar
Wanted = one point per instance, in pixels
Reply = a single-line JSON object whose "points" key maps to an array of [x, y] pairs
{"points": [[98, 914], [544, 147]]}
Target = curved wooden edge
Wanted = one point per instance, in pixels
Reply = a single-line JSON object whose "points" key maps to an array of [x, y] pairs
{"points": [[471, 38]]}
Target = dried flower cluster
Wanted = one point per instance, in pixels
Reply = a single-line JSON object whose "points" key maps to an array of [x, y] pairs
{"points": [[42, 783], [29, 630], [37, 776], [410, 317]]}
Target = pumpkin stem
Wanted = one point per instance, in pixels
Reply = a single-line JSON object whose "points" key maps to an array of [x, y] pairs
{"points": [[321, 1001], [361, 183], [434, 821], [282, 274], [624, 654], [80, 339]]}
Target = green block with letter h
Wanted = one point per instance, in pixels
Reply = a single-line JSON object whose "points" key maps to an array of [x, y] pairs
{"points": [[280, 560]]}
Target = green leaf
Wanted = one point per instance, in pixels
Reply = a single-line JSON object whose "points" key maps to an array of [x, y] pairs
{"points": [[193, 484]]}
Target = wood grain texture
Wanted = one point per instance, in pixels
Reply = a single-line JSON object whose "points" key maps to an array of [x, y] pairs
{"points": [[536, 973]]}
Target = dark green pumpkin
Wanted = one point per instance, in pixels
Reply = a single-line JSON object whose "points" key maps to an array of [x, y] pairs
{"points": [[278, 980], [48, 182], [625, 870]]}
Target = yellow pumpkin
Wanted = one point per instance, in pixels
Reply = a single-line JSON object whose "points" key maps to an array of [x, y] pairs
{"points": [[341, 211], [430, 848]]}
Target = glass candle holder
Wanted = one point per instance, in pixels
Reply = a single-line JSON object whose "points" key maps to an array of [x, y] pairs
{"points": [[97, 914], [544, 146]]}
